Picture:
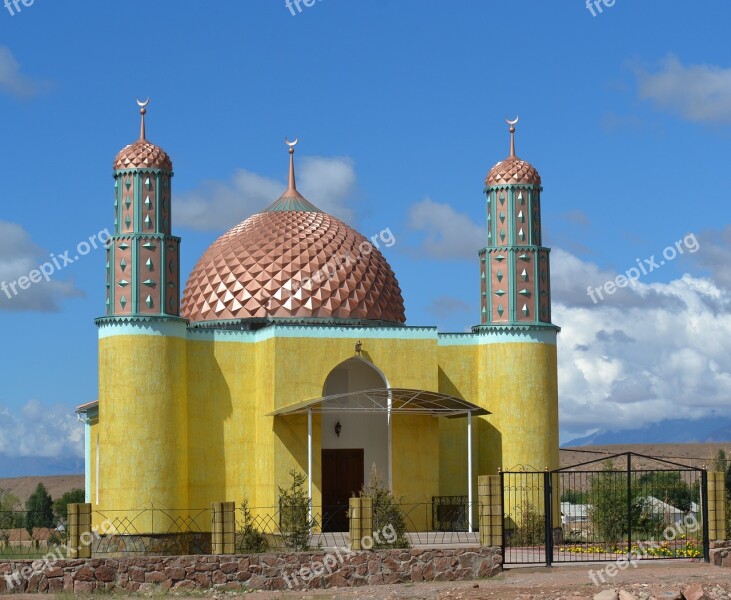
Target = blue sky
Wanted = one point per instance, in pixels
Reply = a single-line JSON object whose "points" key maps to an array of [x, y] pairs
{"points": [[399, 107]]}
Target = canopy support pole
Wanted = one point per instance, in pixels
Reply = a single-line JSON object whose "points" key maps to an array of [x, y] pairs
{"points": [[309, 462], [469, 471]]}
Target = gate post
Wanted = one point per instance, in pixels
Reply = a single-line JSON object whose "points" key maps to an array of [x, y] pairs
{"points": [[716, 506], [360, 522], [548, 510], [79, 523], [490, 500], [223, 525]]}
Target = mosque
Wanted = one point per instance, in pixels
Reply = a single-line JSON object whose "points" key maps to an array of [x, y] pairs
{"points": [[289, 349]]}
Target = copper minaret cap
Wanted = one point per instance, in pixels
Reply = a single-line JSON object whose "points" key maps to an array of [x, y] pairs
{"points": [[512, 170], [142, 154]]}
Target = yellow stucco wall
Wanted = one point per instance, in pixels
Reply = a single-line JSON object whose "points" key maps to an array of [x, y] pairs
{"points": [[143, 427], [184, 423], [519, 384]]}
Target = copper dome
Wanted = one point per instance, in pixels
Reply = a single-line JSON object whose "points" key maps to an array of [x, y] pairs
{"points": [[512, 170], [292, 260], [142, 155]]}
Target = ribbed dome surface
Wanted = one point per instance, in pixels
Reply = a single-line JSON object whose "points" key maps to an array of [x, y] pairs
{"points": [[142, 155], [513, 170], [292, 260]]}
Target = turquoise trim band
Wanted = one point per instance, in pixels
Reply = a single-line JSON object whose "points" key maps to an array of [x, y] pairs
{"points": [[495, 336]]}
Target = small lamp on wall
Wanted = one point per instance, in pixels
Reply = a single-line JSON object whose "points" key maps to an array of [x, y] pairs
{"points": [[338, 428]]}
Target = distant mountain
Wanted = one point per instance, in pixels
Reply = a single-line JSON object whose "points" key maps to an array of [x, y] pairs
{"points": [[670, 431], [23, 466]]}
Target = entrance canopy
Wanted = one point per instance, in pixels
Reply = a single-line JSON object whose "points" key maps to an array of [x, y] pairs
{"points": [[386, 400]]}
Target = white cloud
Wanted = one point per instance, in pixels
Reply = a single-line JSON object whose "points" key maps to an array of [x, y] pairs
{"points": [[11, 79], [18, 257], [700, 93], [38, 429], [327, 182], [658, 351], [649, 352], [449, 234]]}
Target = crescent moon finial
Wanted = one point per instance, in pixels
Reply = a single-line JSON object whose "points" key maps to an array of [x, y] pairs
{"points": [[291, 144], [143, 111], [513, 122]]}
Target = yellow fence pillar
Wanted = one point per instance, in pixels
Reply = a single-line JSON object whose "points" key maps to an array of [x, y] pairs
{"points": [[717, 505], [223, 526], [79, 533], [490, 498], [361, 522]]}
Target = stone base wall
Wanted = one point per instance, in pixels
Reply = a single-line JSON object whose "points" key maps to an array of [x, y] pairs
{"points": [[303, 570], [174, 544], [721, 554]]}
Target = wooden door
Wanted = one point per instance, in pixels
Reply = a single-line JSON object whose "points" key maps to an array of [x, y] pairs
{"points": [[342, 478]]}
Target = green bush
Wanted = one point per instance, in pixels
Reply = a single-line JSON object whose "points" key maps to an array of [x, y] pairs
{"points": [[249, 539], [294, 505], [386, 512]]}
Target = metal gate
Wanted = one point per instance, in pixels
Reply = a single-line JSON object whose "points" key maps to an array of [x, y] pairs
{"points": [[627, 506]]}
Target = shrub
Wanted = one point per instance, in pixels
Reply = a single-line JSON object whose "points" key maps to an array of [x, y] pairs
{"points": [[249, 538], [294, 506], [386, 512]]}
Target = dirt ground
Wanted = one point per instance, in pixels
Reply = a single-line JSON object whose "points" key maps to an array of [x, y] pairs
{"points": [[560, 582], [571, 582]]}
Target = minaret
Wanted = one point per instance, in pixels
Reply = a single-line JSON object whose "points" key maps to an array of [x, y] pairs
{"points": [[514, 267], [143, 268], [140, 446]]}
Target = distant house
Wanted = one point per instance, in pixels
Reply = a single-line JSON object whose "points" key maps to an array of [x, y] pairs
{"points": [[574, 513], [21, 538], [667, 512]]}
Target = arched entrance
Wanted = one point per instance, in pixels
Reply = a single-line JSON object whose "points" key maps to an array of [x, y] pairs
{"points": [[352, 442]]}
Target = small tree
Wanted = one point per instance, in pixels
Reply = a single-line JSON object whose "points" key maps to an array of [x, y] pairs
{"points": [[39, 509], [609, 504], [11, 516], [60, 506], [294, 505], [387, 512], [249, 538], [668, 487]]}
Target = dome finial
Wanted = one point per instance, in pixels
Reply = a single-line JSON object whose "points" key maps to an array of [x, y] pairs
{"points": [[143, 111], [512, 134], [292, 187]]}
